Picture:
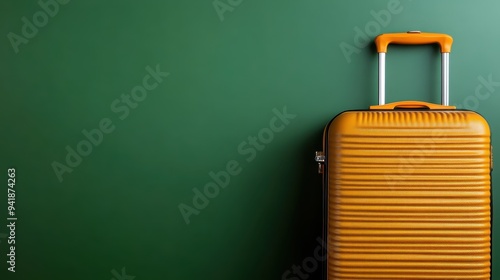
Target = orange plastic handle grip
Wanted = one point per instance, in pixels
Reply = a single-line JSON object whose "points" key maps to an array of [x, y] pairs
{"points": [[412, 105], [414, 38]]}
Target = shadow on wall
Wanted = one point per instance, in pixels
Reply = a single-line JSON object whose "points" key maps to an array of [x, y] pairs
{"points": [[304, 249]]}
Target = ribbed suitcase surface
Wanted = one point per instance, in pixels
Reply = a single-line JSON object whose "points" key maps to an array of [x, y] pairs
{"points": [[408, 195]]}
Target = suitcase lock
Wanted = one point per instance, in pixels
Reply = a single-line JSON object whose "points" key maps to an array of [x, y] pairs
{"points": [[320, 159]]}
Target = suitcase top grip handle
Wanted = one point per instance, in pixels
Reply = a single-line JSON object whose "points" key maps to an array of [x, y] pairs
{"points": [[411, 105], [414, 38]]}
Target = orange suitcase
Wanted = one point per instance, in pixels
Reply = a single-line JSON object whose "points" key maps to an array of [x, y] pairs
{"points": [[407, 186]]}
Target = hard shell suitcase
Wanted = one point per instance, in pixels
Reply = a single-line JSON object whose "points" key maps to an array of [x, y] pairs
{"points": [[407, 186]]}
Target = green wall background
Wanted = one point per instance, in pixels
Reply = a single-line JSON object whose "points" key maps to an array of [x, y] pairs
{"points": [[119, 207]]}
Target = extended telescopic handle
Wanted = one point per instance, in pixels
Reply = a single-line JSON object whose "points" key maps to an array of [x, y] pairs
{"points": [[415, 38]]}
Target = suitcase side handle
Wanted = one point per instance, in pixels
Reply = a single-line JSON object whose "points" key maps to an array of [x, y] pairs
{"points": [[415, 37], [411, 105]]}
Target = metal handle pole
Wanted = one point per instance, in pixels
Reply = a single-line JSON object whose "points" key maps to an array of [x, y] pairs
{"points": [[445, 79], [381, 78]]}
